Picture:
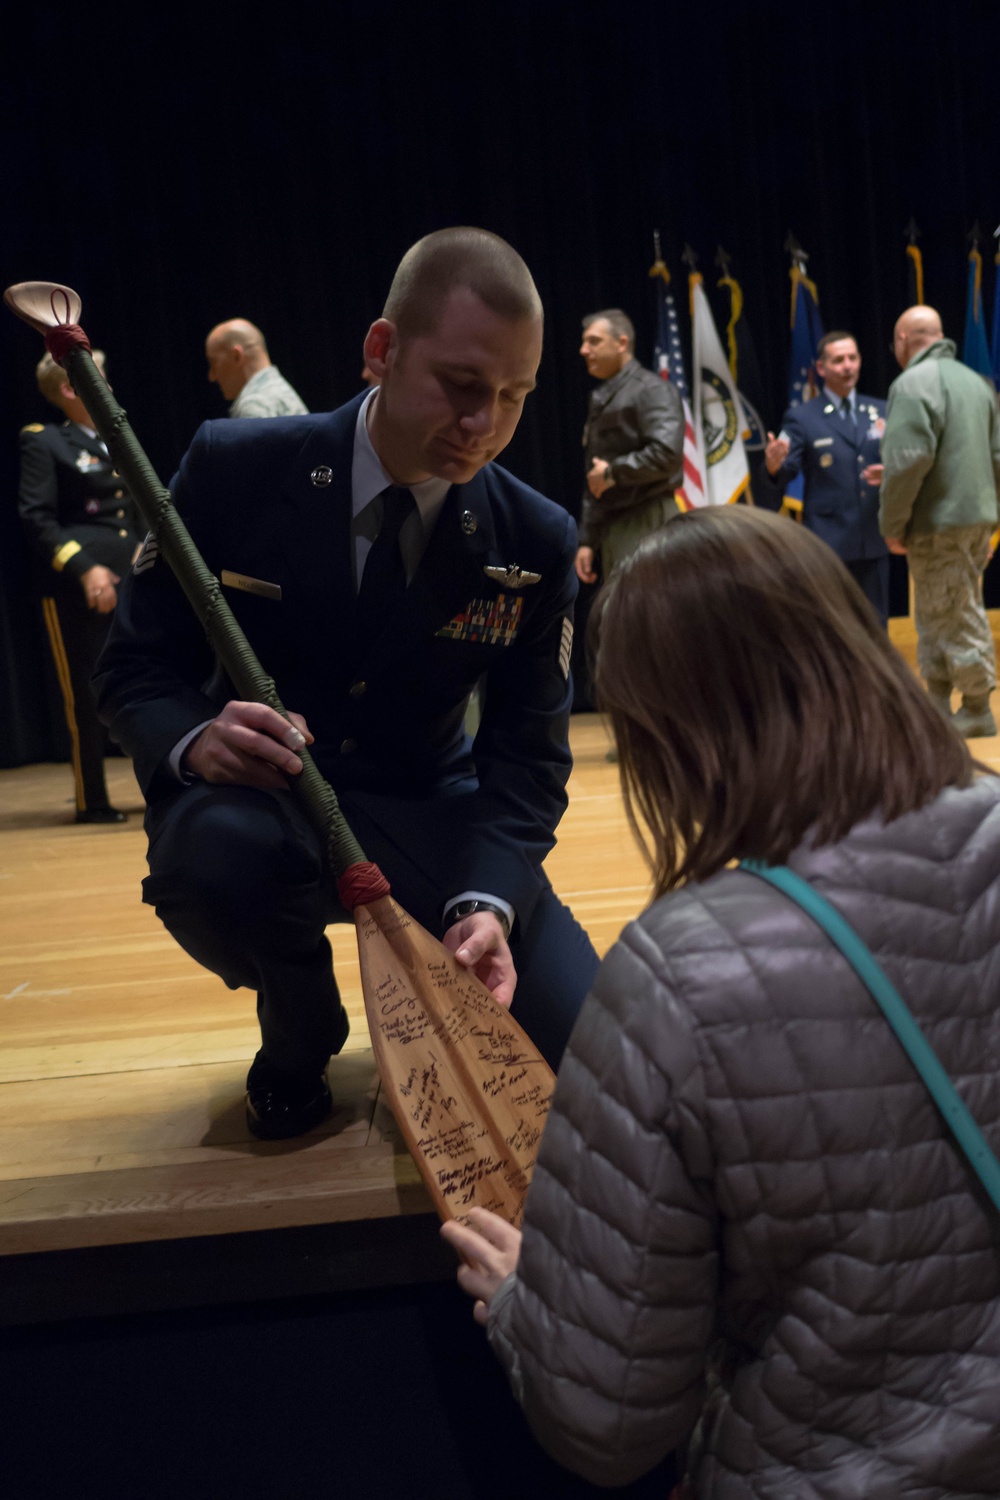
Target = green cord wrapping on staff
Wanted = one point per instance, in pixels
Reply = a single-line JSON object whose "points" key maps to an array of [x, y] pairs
{"points": [[205, 595]]}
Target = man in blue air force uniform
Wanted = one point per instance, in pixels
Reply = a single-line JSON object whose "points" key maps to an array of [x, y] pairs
{"points": [[380, 564], [835, 441]]}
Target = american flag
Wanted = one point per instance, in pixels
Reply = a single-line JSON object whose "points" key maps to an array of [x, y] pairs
{"points": [[668, 362]]}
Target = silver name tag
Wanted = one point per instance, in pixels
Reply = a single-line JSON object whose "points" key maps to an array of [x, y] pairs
{"points": [[250, 585]]}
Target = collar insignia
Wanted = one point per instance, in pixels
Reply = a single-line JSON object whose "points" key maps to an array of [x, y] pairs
{"points": [[512, 577]]}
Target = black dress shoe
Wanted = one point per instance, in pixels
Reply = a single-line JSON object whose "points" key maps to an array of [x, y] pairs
{"points": [[281, 1105], [101, 815]]}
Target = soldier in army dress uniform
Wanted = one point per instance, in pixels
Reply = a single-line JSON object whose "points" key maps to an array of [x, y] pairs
{"points": [[79, 522]]}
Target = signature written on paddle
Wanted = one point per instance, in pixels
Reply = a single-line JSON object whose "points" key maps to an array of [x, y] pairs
{"points": [[469, 1090], [457, 1179], [464, 1183], [403, 1020], [423, 1088]]}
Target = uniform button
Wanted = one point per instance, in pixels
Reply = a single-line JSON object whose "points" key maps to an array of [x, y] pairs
{"points": [[123, 532], [358, 689], [347, 747], [118, 496], [119, 514]]}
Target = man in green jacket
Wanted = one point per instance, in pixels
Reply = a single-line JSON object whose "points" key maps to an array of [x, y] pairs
{"points": [[938, 504]]}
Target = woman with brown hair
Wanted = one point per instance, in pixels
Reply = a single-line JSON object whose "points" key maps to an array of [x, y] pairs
{"points": [[749, 1232]]}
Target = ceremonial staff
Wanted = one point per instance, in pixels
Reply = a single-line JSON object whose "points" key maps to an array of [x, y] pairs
{"points": [[469, 1090]]}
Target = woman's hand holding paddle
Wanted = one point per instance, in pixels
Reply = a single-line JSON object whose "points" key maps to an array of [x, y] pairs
{"points": [[489, 1248]]}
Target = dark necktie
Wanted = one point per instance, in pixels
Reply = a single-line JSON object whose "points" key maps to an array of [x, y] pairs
{"points": [[847, 412], [383, 581]]}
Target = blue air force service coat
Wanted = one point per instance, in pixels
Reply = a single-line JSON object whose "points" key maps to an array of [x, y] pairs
{"points": [[269, 506], [831, 453]]}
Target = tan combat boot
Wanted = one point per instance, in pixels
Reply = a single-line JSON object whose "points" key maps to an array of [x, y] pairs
{"points": [[974, 720]]}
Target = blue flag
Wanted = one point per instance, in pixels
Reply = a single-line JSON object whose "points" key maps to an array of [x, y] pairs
{"points": [[807, 330], [975, 349], [996, 323]]}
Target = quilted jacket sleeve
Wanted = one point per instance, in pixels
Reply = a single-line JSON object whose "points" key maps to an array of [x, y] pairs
{"points": [[605, 1328]]}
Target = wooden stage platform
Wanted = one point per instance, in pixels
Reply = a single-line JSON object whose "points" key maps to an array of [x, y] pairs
{"points": [[122, 1063], [122, 1068]]}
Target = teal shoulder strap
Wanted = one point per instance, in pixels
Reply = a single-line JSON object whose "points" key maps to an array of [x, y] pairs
{"points": [[920, 1052]]}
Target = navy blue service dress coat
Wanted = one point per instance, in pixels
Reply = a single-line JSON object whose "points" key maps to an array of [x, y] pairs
{"points": [[269, 502], [838, 505]]}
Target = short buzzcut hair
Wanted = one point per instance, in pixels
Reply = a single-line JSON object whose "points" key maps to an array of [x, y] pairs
{"points": [[619, 322], [755, 697], [460, 257], [51, 377], [834, 338]]}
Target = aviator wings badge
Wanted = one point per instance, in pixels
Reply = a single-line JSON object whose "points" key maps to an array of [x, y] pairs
{"points": [[512, 577]]}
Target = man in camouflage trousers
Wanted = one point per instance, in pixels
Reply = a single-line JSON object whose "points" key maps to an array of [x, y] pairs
{"points": [[938, 504]]}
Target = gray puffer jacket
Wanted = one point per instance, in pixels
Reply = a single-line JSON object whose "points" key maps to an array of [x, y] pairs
{"points": [[743, 1173]]}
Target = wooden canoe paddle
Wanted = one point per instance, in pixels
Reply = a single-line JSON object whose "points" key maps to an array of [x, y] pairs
{"points": [[468, 1088]]}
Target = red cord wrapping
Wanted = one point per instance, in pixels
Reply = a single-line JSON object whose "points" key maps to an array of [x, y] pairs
{"points": [[62, 340], [362, 884]]}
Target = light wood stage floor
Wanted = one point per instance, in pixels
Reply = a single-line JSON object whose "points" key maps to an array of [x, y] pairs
{"points": [[123, 1063]]}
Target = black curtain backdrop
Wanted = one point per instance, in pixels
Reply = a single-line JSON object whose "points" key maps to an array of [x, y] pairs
{"points": [[275, 163]]}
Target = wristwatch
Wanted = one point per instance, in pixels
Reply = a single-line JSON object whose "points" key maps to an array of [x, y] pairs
{"points": [[466, 908]]}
